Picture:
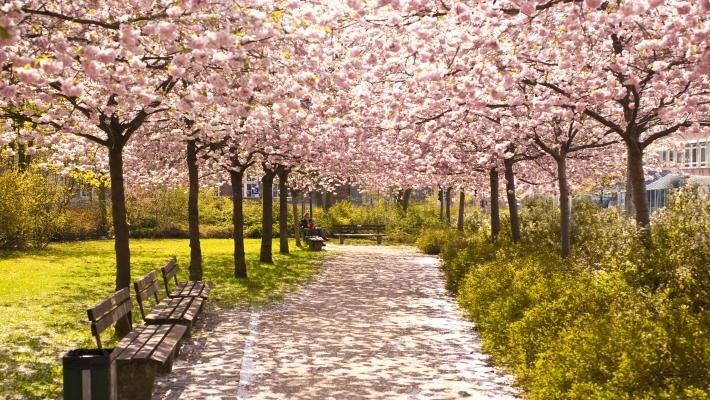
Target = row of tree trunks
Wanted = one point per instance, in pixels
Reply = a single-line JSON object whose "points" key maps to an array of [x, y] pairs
{"points": [[282, 172]]}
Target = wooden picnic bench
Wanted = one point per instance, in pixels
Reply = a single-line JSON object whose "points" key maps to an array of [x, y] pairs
{"points": [[146, 351], [176, 310], [358, 231], [182, 289], [314, 241]]}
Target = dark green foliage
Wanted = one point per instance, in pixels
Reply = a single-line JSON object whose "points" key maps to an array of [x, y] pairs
{"points": [[616, 321]]}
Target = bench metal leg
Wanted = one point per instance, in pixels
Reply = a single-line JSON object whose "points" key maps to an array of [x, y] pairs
{"points": [[341, 239], [379, 239], [134, 380]]}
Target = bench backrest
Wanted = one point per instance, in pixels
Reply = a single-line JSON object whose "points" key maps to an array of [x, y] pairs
{"points": [[110, 311], [358, 228], [170, 271], [145, 287]]}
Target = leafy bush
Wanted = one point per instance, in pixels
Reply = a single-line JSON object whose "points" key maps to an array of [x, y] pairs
{"points": [[82, 222], [616, 320], [432, 240], [31, 209]]}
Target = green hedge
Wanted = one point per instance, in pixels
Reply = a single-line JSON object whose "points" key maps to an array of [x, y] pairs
{"points": [[616, 321]]}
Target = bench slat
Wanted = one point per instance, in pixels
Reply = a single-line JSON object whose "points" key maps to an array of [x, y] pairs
{"points": [[97, 311], [191, 289], [152, 342], [170, 341], [134, 342], [175, 310], [109, 319]]}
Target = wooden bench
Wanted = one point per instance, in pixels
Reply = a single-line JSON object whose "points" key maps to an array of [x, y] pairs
{"points": [[142, 354], [182, 289], [177, 310], [315, 242], [358, 231]]}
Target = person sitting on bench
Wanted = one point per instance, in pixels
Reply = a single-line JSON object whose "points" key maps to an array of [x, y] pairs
{"points": [[310, 226]]}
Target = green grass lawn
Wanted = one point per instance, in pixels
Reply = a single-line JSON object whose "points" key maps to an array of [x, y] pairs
{"points": [[44, 295]]}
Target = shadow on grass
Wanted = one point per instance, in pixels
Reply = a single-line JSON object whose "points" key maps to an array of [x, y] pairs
{"points": [[265, 282], [45, 294]]}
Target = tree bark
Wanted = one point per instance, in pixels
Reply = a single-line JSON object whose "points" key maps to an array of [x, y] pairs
{"points": [[240, 264], [565, 240], [441, 206], [512, 201], [405, 199], [282, 173], [448, 206], [296, 220], [310, 203], [193, 213], [628, 196], [120, 227], [495, 211], [267, 215], [462, 201], [103, 211], [638, 186]]}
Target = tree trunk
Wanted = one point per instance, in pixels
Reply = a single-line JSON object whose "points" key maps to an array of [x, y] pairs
{"points": [[512, 201], [267, 215], [448, 206], [638, 186], [240, 263], [441, 206], [283, 210], [495, 212], [193, 213], [628, 196], [310, 203], [103, 211], [318, 199], [565, 241], [462, 201], [22, 158], [120, 227], [296, 220], [405, 199]]}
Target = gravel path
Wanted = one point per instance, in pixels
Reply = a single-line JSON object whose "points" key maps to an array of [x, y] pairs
{"points": [[376, 324]]}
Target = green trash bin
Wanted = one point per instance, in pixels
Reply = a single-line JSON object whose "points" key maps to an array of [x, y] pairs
{"points": [[89, 374]]}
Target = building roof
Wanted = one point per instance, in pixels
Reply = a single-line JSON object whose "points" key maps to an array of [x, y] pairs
{"points": [[668, 181], [671, 181], [700, 180]]}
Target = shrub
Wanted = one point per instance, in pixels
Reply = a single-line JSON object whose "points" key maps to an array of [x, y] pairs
{"points": [[614, 321], [82, 222], [431, 240], [31, 209]]}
